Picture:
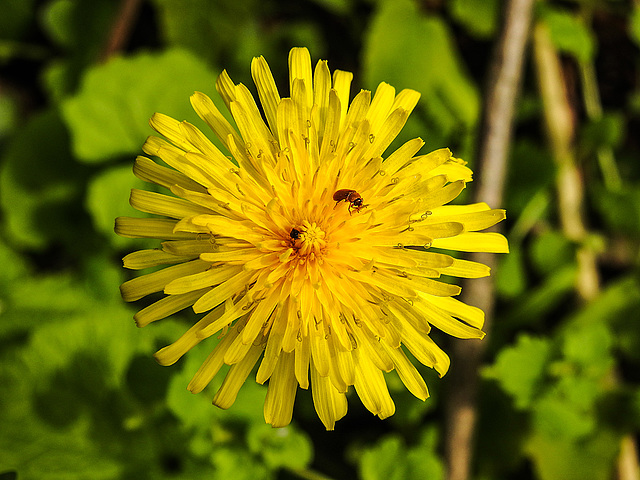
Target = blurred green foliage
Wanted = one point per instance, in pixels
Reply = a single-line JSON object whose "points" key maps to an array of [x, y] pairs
{"points": [[81, 396]]}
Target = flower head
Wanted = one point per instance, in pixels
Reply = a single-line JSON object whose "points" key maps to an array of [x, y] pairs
{"points": [[306, 251]]}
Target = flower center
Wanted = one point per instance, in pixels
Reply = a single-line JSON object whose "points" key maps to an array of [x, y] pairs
{"points": [[311, 242]]}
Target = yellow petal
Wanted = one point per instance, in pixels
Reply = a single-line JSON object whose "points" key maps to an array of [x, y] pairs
{"points": [[330, 404], [161, 228], [166, 306], [152, 258], [212, 365], [474, 242], [278, 404], [300, 68], [372, 388], [235, 378], [139, 287], [267, 90]]}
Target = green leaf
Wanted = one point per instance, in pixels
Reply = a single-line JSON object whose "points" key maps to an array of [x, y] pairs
{"points": [[385, 460], [38, 452], [511, 278], [429, 63], [551, 250], [620, 209], [108, 198], [588, 346], [423, 460], [531, 173], [390, 459], [607, 131], [618, 298], [520, 369], [8, 115], [280, 447], [555, 417], [480, 17], [80, 25], [555, 287], [79, 29], [36, 301], [338, 7], [592, 458], [62, 398], [619, 304], [238, 464], [570, 35], [40, 185], [29, 300], [13, 269], [604, 325], [195, 412], [634, 24], [109, 116]]}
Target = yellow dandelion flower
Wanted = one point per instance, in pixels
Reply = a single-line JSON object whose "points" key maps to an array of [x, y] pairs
{"points": [[306, 251]]}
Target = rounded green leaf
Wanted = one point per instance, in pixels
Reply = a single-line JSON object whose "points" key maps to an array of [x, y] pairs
{"points": [[108, 198], [109, 116], [520, 369], [570, 35], [280, 447]]}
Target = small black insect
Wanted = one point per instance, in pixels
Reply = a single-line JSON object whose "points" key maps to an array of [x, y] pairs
{"points": [[295, 233]]}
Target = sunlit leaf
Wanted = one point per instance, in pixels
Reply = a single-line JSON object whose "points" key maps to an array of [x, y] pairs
{"points": [[110, 115], [589, 347], [591, 459], [194, 411], [634, 24], [555, 417], [570, 35], [108, 198], [391, 459], [520, 369], [8, 115], [238, 464], [285, 447]]}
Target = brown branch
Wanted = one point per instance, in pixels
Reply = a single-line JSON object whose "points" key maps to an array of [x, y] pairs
{"points": [[502, 89], [121, 28]]}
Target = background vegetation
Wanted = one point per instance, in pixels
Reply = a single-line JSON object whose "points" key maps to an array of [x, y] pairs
{"points": [[82, 398]]}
